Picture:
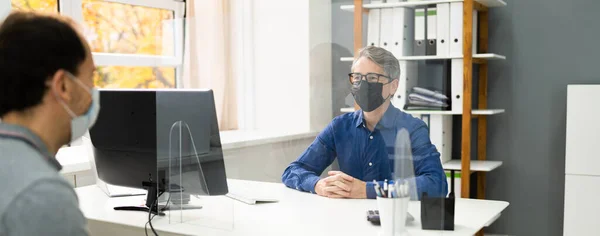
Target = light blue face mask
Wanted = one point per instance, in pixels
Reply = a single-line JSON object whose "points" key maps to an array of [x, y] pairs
{"points": [[80, 124]]}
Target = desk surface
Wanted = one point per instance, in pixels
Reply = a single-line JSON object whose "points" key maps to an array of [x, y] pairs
{"points": [[73, 159], [296, 213]]}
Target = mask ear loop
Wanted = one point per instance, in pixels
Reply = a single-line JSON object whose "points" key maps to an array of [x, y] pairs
{"points": [[89, 90], [392, 94], [62, 103]]}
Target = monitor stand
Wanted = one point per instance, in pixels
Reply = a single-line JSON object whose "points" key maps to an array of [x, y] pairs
{"points": [[151, 201], [159, 209]]}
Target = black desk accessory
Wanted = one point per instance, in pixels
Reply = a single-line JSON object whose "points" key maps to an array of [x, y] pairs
{"points": [[437, 213]]}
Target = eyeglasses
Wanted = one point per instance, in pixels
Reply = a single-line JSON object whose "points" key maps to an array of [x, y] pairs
{"points": [[356, 78]]}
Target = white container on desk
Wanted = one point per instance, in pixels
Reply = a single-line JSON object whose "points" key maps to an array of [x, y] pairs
{"points": [[392, 215]]}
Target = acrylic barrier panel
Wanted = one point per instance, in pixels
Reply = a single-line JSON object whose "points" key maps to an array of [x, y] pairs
{"points": [[404, 171], [190, 166], [434, 213]]}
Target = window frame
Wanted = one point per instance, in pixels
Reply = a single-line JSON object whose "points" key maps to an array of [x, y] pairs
{"points": [[73, 9]]}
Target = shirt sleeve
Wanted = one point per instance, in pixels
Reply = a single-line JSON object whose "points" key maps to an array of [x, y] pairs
{"points": [[48, 207], [371, 194], [430, 177], [303, 174]]}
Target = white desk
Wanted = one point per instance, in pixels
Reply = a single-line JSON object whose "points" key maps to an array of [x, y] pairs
{"points": [[73, 159], [297, 213]]}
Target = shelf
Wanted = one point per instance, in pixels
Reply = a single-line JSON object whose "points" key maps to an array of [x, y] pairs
{"points": [[488, 56], [346, 58], [488, 112], [492, 3], [396, 4], [487, 3], [347, 109], [492, 220], [482, 112], [476, 165]]}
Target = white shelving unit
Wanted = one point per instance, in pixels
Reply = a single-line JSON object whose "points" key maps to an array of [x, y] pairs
{"points": [[487, 3], [488, 56]]}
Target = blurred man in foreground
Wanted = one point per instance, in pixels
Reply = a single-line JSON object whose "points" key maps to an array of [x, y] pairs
{"points": [[47, 99]]}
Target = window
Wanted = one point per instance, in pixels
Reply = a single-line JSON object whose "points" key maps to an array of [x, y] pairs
{"points": [[137, 77], [35, 5], [121, 28], [135, 43]]}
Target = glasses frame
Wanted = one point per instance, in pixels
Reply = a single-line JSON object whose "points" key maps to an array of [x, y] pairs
{"points": [[364, 78]]}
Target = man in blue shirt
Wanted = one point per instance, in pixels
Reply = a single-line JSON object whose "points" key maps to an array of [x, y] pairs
{"points": [[363, 141]]}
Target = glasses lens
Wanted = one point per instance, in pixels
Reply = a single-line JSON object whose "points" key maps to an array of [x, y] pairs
{"points": [[372, 78]]}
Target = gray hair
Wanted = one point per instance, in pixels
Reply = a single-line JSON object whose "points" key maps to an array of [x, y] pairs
{"points": [[381, 57]]}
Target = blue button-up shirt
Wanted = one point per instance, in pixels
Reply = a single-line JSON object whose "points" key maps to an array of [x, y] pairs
{"points": [[368, 155]]}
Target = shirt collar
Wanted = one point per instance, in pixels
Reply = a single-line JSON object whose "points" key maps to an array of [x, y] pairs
{"points": [[389, 117], [387, 121], [30, 138], [359, 118]]}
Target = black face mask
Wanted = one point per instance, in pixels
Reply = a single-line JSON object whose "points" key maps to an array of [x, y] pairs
{"points": [[368, 95]]}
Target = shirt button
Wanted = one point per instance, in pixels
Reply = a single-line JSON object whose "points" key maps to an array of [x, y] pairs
{"points": [[370, 137], [370, 164]]}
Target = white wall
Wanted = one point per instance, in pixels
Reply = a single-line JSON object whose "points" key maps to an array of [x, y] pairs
{"points": [[263, 162], [320, 67], [292, 81]]}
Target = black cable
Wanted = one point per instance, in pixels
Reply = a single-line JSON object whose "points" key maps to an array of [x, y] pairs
{"points": [[151, 217], [150, 213], [168, 200], [146, 226]]}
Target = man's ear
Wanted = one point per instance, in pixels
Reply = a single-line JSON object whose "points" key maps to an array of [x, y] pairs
{"points": [[60, 87], [394, 86]]}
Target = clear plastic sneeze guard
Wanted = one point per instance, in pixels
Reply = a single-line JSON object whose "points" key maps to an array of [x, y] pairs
{"points": [[404, 171], [393, 208], [191, 180]]}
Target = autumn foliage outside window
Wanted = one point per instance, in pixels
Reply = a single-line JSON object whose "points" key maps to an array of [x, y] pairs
{"points": [[120, 28]]}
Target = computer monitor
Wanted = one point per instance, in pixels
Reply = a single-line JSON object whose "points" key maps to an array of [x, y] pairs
{"points": [[136, 130]]}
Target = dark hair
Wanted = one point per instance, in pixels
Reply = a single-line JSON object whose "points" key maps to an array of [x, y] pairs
{"points": [[33, 46]]}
